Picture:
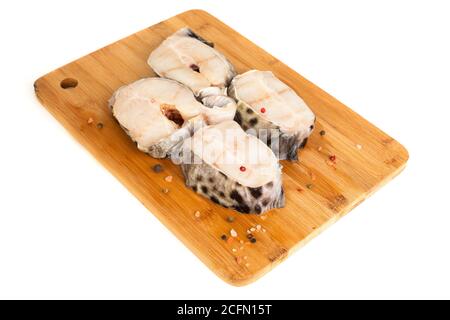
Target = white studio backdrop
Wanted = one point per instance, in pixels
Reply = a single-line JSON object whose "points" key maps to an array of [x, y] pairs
{"points": [[68, 229]]}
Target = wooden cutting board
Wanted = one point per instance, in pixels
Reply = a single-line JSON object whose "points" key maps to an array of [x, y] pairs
{"points": [[318, 191]]}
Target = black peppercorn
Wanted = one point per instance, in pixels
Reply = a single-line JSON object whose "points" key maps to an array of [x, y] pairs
{"points": [[157, 168]]}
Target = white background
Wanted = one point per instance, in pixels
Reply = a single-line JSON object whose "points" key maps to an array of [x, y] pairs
{"points": [[68, 229]]}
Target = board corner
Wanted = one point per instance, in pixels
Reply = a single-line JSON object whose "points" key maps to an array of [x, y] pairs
{"points": [[196, 11]]}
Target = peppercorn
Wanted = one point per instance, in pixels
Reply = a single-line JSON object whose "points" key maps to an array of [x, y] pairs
{"points": [[230, 219], [322, 132], [157, 168], [100, 125], [252, 240], [223, 237]]}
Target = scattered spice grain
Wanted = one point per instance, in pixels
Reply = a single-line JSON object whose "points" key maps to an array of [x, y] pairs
{"points": [[157, 168]]}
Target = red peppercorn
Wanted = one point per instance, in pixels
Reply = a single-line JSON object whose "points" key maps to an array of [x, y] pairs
{"points": [[333, 158], [263, 110], [242, 168]]}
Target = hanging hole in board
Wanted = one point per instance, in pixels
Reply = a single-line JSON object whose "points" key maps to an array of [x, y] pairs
{"points": [[69, 83]]}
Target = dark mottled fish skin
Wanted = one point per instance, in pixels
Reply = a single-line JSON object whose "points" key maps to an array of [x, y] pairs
{"points": [[216, 186], [192, 34], [285, 146]]}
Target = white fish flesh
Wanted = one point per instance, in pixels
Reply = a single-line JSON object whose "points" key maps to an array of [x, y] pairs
{"points": [[157, 114], [191, 60], [274, 111], [218, 109], [233, 169]]}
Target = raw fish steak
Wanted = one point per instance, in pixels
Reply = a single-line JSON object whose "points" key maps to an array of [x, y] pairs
{"points": [[274, 112], [157, 114], [191, 60], [233, 169]]}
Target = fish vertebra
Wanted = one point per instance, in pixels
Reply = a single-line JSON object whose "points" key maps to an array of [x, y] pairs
{"points": [[191, 60], [233, 169], [279, 116]]}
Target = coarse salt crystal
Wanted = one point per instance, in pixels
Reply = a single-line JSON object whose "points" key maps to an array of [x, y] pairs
{"points": [[168, 178], [258, 227], [197, 214], [90, 121], [234, 250], [252, 229], [233, 233], [358, 146]]}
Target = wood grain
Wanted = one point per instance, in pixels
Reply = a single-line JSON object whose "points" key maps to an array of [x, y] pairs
{"points": [[334, 189]]}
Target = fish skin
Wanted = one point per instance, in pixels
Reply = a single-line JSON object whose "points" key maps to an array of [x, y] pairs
{"points": [[285, 146], [216, 186], [192, 34]]}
